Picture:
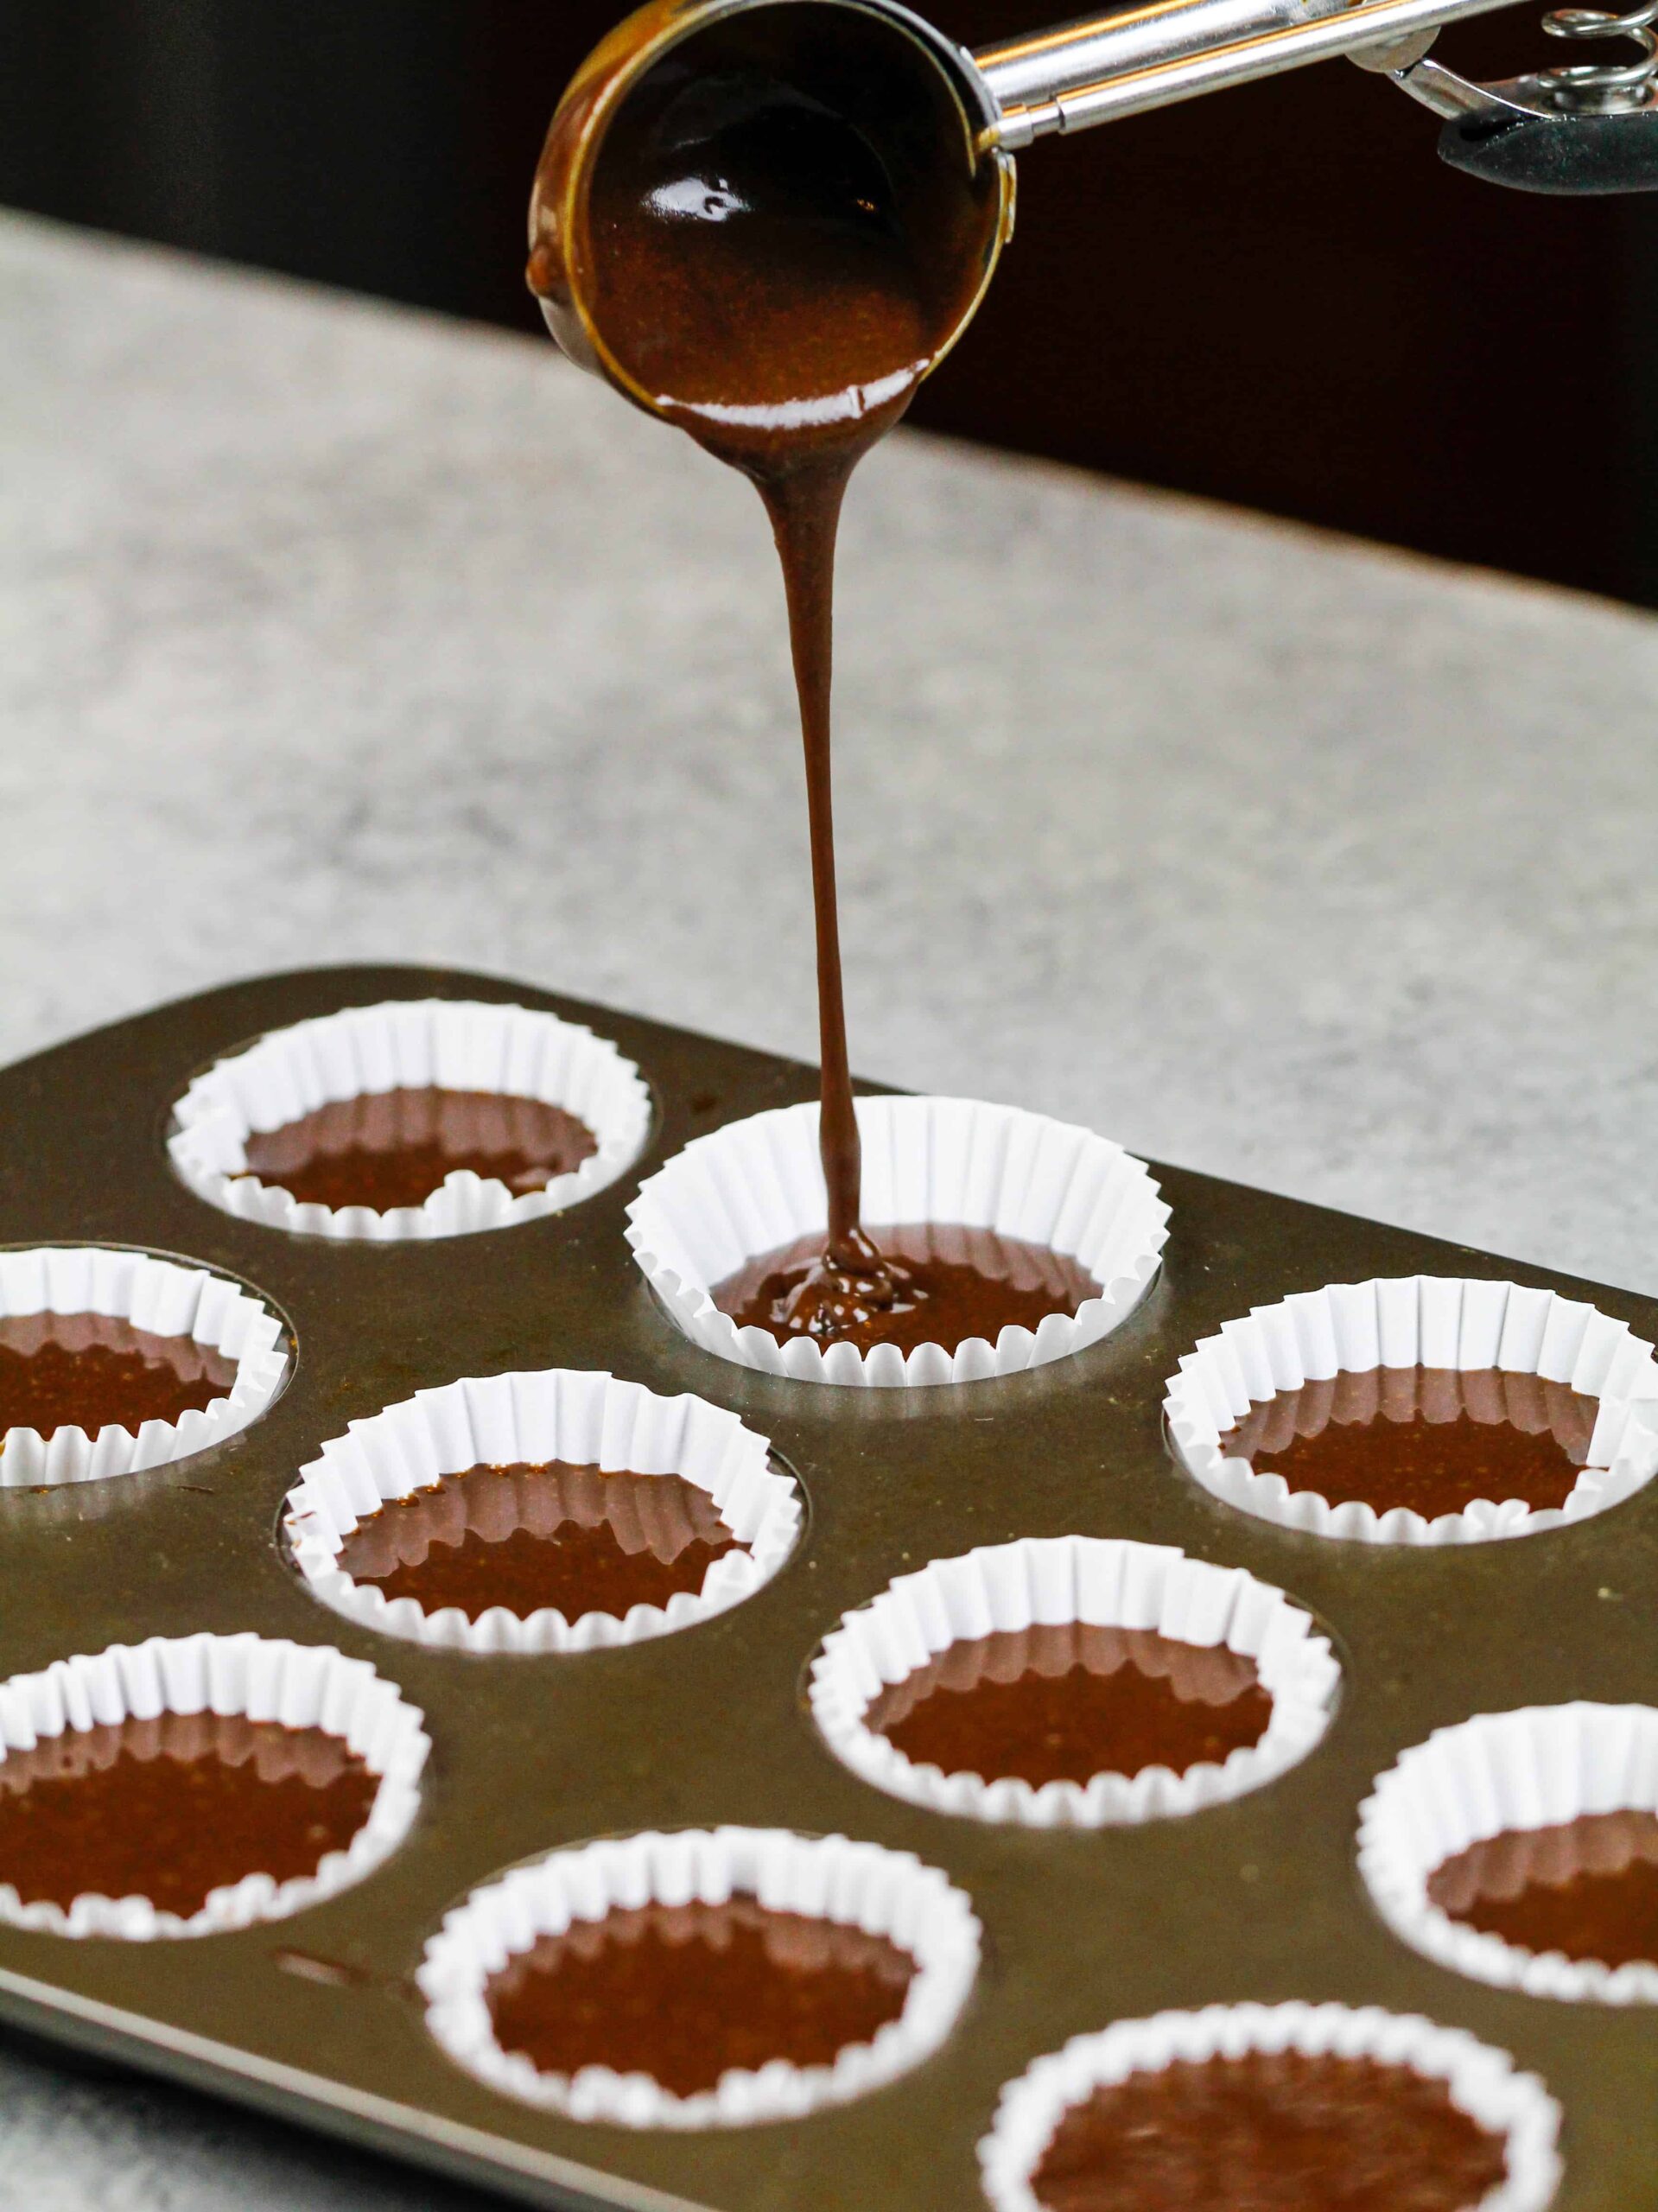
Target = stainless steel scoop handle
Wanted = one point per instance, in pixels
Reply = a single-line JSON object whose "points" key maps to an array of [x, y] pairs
{"points": [[1104, 66], [1581, 130]]}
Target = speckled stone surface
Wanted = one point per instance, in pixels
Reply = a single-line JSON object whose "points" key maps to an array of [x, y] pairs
{"points": [[329, 632]]}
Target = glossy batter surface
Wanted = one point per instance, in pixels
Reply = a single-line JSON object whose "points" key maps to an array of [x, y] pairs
{"points": [[1588, 1887], [573, 1538], [1433, 1438], [395, 1147], [1065, 1702], [87, 1370], [683, 1993], [943, 1284], [1270, 2132], [173, 1807]]}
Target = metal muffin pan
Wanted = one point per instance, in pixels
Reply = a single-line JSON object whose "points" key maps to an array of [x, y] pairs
{"points": [[316, 2019]]}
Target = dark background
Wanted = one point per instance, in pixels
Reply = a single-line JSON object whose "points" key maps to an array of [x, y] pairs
{"points": [[1276, 295]]}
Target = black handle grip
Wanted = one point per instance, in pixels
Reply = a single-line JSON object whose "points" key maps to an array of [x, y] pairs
{"points": [[1582, 155]]}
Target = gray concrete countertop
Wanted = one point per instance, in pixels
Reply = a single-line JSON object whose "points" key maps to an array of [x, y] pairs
{"points": [[330, 631]]}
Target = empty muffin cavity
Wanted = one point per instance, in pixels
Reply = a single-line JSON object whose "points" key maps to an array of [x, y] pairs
{"points": [[113, 1361], [189, 1785], [415, 1118], [561, 1510], [1421, 1409], [1037, 1238], [1279, 2106], [1074, 1680], [1522, 1848], [704, 1979]]}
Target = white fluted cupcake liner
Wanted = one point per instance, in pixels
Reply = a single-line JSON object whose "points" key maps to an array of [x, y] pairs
{"points": [[167, 1298], [456, 1044], [1540, 1767], [1482, 2081], [299, 1686], [758, 1184], [560, 1414], [1105, 1583], [886, 1893], [1433, 1321]]}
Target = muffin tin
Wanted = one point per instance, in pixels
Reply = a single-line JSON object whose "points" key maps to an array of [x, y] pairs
{"points": [[1254, 1901]]}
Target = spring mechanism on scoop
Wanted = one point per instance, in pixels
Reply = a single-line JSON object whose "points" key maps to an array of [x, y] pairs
{"points": [[1600, 87]]}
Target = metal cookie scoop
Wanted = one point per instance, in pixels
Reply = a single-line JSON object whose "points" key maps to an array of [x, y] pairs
{"points": [[1580, 128], [924, 111]]}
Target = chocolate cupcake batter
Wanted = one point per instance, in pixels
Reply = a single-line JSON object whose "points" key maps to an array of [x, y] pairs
{"points": [[1588, 1888], [776, 256], [173, 1807], [88, 1370], [395, 1148], [1065, 1702], [1270, 2132], [572, 1538], [684, 1992], [1434, 1439], [941, 1284]]}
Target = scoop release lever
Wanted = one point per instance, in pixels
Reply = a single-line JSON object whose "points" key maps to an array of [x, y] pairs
{"points": [[1582, 131]]}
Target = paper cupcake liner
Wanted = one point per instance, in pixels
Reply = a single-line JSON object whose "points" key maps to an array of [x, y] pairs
{"points": [[756, 1185], [1481, 2081], [1536, 1768], [1434, 1321], [456, 1044], [1107, 1583], [170, 1301], [888, 1893], [301, 1685], [587, 1420]]}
